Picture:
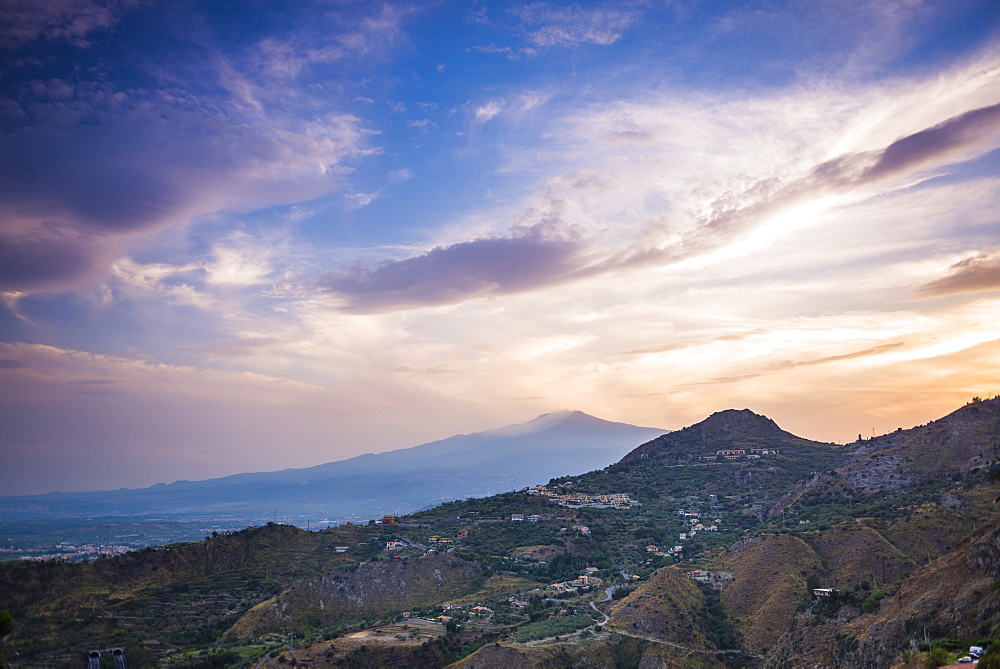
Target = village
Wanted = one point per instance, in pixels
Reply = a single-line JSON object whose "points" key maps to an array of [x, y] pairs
{"points": [[578, 500]]}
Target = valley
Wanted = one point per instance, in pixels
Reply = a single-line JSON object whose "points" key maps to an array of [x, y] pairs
{"points": [[727, 543]]}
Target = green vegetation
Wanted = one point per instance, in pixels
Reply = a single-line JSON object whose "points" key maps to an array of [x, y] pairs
{"points": [[552, 627]]}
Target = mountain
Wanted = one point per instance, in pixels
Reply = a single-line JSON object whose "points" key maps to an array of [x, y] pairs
{"points": [[809, 554], [732, 429], [368, 486]]}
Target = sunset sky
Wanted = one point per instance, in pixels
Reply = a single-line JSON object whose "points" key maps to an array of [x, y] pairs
{"points": [[246, 235]]}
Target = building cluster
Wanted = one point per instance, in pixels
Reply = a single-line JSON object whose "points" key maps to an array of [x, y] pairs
{"points": [[587, 578], [730, 454], [693, 518], [716, 577], [617, 500], [72, 553]]}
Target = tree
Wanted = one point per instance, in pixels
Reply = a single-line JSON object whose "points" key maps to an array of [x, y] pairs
{"points": [[991, 658], [6, 627]]}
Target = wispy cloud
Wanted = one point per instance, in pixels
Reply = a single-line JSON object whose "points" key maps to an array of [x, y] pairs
{"points": [[547, 26], [544, 26], [760, 208]]}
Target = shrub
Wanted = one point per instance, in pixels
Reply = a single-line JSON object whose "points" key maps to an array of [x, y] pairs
{"points": [[937, 657]]}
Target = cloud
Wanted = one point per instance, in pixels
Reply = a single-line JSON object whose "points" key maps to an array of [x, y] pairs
{"points": [[977, 274], [973, 131], [516, 106], [27, 21], [423, 125], [775, 202], [446, 274], [163, 160], [239, 347], [488, 111], [729, 220], [93, 163], [546, 26], [785, 365], [239, 262], [543, 26]]}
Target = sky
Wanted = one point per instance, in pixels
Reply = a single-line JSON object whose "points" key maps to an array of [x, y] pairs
{"points": [[248, 235]]}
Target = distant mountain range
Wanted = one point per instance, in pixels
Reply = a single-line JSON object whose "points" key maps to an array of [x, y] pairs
{"points": [[370, 485]]}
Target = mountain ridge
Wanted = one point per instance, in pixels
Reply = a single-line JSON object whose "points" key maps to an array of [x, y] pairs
{"points": [[402, 480]]}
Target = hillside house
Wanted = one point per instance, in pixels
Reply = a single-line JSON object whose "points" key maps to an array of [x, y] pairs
{"points": [[582, 529], [517, 517], [534, 518], [731, 451], [463, 532]]}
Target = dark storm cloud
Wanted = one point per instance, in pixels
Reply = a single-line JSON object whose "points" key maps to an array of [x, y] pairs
{"points": [[449, 274], [973, 275]]}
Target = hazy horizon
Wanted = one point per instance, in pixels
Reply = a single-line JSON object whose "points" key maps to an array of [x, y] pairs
{"points": [[254, 237]]}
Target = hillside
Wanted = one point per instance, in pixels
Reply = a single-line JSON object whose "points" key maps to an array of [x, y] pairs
{"points": [[955, 596], [669, 607], [769, 580], [594, 569], [172, 595], [372, 589]]}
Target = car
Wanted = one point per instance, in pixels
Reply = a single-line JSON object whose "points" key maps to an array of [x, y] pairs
{"points": [[975, 651], [965, 660]]}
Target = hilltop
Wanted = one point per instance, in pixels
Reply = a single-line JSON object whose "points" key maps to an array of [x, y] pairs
{"points": [[701, 547]]}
